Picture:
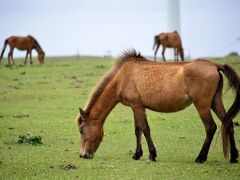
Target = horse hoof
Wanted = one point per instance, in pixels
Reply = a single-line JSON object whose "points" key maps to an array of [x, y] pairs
{"points": [[200, 160], [152, 157], [137, 155], [233, 161]]}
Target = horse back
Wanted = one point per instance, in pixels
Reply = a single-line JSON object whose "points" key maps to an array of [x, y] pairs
{"points": [[21, 42], [164, 87], [170, 39]]}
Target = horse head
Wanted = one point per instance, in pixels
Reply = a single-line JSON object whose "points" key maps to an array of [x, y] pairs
{"points": [[41, 56], [91, 134]]}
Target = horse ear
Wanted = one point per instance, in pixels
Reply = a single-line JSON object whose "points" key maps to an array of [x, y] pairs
{"points": [[81, 112]]}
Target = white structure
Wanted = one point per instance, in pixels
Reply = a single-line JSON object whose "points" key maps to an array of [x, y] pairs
{"points": [[172, 22]]}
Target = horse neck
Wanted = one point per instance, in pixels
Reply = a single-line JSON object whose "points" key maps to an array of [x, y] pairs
{"points": [[104, 105], [38, 49]]}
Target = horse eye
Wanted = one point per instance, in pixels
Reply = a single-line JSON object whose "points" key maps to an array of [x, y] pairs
{"points": [[81, 130]]}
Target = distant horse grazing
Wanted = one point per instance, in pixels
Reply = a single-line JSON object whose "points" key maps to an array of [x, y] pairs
{"points": [[169, 40], [27, 43], [162, 87]]}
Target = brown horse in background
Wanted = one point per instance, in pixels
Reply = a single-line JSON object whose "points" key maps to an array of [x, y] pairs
{"points": [[169, 40], [27, 43], [162, 87]]}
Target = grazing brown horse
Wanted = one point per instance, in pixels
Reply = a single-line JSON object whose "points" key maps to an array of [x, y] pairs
{"points": [[27, 43], [162, 87], [169, 40]]}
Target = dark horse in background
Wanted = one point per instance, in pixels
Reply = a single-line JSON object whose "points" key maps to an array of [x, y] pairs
{"points": [[169, 40], [27, 43], [163, 87]]}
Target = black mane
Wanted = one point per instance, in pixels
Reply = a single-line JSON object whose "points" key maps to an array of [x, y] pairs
{"points": [[129, 53]]}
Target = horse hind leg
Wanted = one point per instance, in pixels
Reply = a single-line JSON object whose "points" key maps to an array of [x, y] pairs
{"points": [[10, 56], [233, 150], [141, 125], [210, 129], [219, 110]]}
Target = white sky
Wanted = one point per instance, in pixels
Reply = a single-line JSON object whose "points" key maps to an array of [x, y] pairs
{"points": [[92, 27]]}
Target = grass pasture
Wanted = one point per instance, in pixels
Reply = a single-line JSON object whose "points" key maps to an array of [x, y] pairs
{"points": [[43, 101]]}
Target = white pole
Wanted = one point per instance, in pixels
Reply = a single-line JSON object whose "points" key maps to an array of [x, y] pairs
{"points": [[173, 22]]}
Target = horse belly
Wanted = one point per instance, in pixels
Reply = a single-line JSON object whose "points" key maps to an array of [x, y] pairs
{"points": [[22, 48], [22, 45], [168, 104]]}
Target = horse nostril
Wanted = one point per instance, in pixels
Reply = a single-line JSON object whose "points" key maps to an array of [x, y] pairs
{"points": [[86, 156]]}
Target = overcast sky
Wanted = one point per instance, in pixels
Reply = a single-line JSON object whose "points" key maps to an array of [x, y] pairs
{"points": [[92, 27]]}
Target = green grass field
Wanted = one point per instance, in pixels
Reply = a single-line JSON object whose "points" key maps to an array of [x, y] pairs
{"points": [[44, 101]]}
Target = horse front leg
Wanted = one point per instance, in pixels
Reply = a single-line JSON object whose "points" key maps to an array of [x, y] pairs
{"points": [[25, 62], [141, 125], [176, 54], [163, 52], [151, 147], [138, 132], [31, 62]]}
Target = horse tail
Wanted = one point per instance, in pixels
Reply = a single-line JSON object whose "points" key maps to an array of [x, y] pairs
{"points": [[227, 124], [4, 47]]}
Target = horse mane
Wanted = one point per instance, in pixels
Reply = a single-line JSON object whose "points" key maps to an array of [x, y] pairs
{"points": [[126, 56], [129, 54], [37, 44]]}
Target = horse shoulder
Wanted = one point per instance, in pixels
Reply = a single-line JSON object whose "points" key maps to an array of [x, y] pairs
{"points": [[126, 88]]}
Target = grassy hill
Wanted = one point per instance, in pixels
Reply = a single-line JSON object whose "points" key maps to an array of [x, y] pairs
{"points": [[43, 101]]}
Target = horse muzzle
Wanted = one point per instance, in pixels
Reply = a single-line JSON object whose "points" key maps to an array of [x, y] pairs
{"points": [[86, 155]]}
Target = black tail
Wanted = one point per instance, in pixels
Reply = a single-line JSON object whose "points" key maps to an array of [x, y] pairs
{"points": [[234, 83], [4, 47]]}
